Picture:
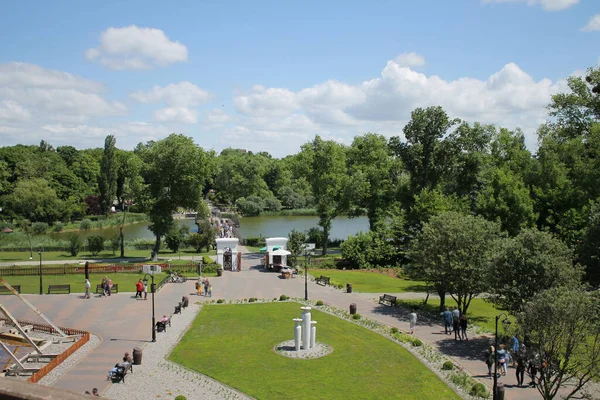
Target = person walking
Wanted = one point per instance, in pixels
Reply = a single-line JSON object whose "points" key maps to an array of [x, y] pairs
{"points": [[447, 315], [139, 287], [413, 321], [145, 290], [103, 286], [87, 289], [521, 362], [456, 325], [463, 323], [490, 359]]}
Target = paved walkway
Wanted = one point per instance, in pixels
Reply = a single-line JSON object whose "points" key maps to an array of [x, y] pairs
{"points": [[123, 322]]}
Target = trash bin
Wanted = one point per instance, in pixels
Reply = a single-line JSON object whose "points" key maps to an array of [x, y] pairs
{"points": [[499, 391], [137, 356], [219, 272], [348, 288], [352, 308]]}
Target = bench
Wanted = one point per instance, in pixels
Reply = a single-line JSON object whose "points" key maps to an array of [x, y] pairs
{"points": [[386, 298], [118, 374], [4, 289], [178, 309], [185, 301], [323, 280], [114, 289], [59, 288], [162, 326]]}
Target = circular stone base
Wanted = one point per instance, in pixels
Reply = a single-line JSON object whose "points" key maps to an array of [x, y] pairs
{"points": [[288, 349]]}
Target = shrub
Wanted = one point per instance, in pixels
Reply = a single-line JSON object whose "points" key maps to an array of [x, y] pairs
{"points": [[85, 225], [249, 207], [417, 343], [283, 297], [39, 228], [356, 316], [181, 397], [74, 244], [95, 244], [459, 379], [252, 241], [58, 227], [251, 299], [220, 301], [319, 302], [207, 260], [394, 330], [115, 243], [210, 268], [479, 390], [315, 235], [272, 204], [448, 365]]}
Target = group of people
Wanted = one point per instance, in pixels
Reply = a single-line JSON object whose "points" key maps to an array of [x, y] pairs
{"points": [[141, 288], [203, 287], [106, 286], [523, 358], [125, 364], [455, 322]]}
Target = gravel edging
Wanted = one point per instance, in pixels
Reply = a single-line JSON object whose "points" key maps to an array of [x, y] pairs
{"points": [[157, 377]]}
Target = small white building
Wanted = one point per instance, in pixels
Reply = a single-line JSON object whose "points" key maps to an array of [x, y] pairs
{"points": [[277, 252], [227, 251]]}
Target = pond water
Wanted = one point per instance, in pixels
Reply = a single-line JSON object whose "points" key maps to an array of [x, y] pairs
{"points": [[269, 226]]}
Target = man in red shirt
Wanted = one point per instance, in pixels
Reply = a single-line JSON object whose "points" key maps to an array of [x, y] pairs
{"points": [[139, 287]]}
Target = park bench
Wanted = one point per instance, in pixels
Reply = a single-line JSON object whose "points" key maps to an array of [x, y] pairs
{"points": [[386, 298], [4, 289], [185, 301], [59, 288], [162, 326], [114, 289], [323, 280], [118, 375]]}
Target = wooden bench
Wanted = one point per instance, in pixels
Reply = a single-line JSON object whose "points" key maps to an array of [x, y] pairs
{"points": [[323, 280], [114, 289], [162, 326], [386, 298], [4, 289], [59, 288], [118, 375]]}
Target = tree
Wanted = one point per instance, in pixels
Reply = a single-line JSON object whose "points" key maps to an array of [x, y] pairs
{"points": [[129, 186], [34, 200], [175, 239], [95, 244], [109, 168], [564, 327], [74, 244], [205, 237], [589, 248], [327, 178], [175, 173], [527, 264], [295, 245], [452, 253]]}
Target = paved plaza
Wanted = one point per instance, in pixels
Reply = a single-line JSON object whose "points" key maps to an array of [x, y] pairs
{"points": [[124, 322]]}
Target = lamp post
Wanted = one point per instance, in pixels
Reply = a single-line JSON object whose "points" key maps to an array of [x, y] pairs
{"points": [[153, 289], [495, 387], [40, 253], [307, 253]]}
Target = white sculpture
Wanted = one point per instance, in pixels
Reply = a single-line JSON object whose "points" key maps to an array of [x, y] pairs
{"points": [[313, 334], [306, 318], [297, 332]]}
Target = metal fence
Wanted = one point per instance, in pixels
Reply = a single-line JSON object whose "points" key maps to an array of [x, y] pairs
{"points": [[68, 269]]}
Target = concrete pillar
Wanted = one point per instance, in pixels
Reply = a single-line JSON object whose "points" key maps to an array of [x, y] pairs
{"points": [[297, 332], [313, 334], [306, 317]]}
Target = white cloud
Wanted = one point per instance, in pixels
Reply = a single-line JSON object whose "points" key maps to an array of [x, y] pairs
{"points": [[270, 101], [217, 116], [548, 5], [133, 47], [183, 94], [593, 24], [176, 114], [410, 60], [11, 110]]}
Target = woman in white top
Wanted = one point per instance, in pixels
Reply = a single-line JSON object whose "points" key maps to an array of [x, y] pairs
{"points": [[413, 321]]}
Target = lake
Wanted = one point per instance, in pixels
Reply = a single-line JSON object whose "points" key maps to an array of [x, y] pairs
{"points": [[269, 226]]}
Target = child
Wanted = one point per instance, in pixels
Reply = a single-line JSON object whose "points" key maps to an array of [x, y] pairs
{"points": [[199, 288], [209, 289]]}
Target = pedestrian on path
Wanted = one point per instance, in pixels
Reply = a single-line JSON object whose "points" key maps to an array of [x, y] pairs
{"points": [[490, 359], [521, 362], [87, 288], [146, 290], [463, 322], [447, 315], [139, 287], [413, 321]]}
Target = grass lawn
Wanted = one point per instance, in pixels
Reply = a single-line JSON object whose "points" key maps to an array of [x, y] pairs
{"points": [[31, 284], [480, 312], [8, 256], [370, 282], [234, 344]]}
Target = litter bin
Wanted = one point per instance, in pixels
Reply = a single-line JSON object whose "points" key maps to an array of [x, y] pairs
{"points": [[137, 356], [348, 288], [219, 272], [499, 391], [352, 308]]}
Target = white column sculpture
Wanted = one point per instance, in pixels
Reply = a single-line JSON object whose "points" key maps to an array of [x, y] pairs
{"points": [[306, 318], [297, 332], [313, 334]]}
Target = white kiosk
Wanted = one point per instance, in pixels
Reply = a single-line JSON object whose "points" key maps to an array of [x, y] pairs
{"points": [[277, 252], [227, 251]]}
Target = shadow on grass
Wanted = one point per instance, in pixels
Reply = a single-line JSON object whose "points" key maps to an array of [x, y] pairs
{"points": [[416, 288]]}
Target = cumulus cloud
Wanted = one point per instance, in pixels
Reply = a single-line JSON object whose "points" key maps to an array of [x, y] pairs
{"points": [[176, 114], [11, 110], [410, 60], [133, 47], [593, 24], [548, 5], [183, 94]]}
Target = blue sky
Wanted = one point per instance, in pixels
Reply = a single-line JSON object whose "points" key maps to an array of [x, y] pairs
{"points": [[269, 75]]}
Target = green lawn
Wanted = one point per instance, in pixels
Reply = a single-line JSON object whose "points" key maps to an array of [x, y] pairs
{"points": [[370, 282], [9, 256], [480, 312], [234, 344], [126, 281]]}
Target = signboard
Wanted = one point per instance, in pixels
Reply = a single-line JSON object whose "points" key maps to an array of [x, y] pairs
{"points": [[308, 246], [151, 269]]}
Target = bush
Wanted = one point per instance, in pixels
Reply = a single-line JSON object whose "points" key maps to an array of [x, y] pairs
{"points": [[315, 235], [479, 390], [210, 268], [448, 365], [85, 225], [253, 241], [272, 204], [283, 297], [356, 316], [248, 207], [115, 243], [207, 260], [319, 302], [394, 330], [181, 397], [251, 299], [39, 228], [417, 343], [220, 301], [95, 244], [74, 244], [58, 227]]}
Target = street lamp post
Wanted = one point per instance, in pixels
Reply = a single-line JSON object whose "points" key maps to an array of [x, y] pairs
{"points": [[307, 253], [153, 289], [40, 253], [495, 387]]}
